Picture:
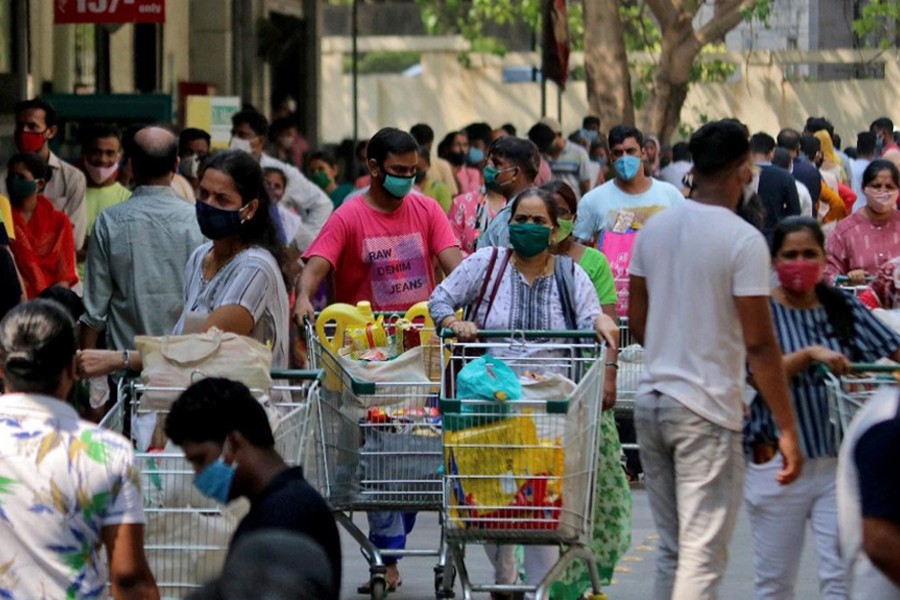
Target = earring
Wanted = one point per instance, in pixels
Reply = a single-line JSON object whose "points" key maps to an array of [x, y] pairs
{"points": [[243, 221]]}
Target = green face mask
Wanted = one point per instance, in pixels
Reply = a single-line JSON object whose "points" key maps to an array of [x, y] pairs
{"points": [[565, 230], [398, 187], [321, 179], [19, 189], [529, 239]]}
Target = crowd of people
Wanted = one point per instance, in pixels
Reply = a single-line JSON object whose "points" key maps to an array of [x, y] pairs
{"points": [[722, 252]]}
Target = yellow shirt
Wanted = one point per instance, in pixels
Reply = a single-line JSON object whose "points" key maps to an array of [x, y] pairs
{"points": [[6, 217]]}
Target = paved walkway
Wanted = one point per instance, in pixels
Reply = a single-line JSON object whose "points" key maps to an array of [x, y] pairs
{"points": [[633, 581]]}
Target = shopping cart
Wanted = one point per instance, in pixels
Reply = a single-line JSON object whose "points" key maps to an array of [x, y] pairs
{"points": [[522, 472], [847, 394], [380, 450], [843, 282], [628, 376], [187, 535]]}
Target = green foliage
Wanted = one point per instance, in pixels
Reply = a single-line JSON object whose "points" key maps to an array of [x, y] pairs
{"points": [[878, 23], [382, 62]]}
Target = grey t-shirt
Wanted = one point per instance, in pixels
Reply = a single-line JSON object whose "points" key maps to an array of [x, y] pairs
{"points": [[253, 280]]}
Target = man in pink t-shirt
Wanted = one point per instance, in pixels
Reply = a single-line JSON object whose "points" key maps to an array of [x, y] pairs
{"points": [[381, 245]]}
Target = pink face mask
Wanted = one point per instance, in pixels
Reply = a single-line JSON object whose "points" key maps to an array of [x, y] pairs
{"points": [[100, 174], [880, 202], [799, 275]]}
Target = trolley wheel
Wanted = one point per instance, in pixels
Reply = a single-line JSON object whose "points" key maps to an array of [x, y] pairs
{"points": [[377, 587], [439, 591]]}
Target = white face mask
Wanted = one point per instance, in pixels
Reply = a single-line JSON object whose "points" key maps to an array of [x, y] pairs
{"points": [[237, 143], [100, 174], [880, 202]]}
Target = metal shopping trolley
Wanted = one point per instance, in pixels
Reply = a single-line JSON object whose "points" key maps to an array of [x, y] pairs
{"points": [[523, 472], [379, 444], [187, 534], [846, 395]]}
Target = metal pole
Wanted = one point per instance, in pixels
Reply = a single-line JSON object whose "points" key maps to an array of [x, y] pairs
{"points": [[355, 74], [23, 43]]}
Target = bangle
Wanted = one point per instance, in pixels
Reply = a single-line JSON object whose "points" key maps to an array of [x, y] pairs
{"points": [[614, 365], [126, 355], [450, 324]]}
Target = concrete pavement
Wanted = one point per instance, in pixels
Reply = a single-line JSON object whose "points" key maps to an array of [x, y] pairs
{"points": [[633, 580]]}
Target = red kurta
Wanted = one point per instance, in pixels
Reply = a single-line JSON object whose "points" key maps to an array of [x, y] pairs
{"points": [[44, 248]]}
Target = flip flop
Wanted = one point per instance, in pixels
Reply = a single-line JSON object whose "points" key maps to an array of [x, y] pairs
{"points": [[366, 588]]}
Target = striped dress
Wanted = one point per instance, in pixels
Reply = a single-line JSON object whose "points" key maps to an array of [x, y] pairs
{"points": [[801, 328]]}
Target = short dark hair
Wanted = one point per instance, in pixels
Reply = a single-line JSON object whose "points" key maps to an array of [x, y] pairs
{"points": [[564, 191], [99, 131], [212, 408], [620, 133], [257, 121], [681, 151], [521, 153], [865, 143], [789, 139], [762, 143], [189, 134], [810, 146], [542, 135], [509, 128], [275, 171], [546, 196], [877, 166], [33, 162], [782, 158], [324, 156], [881, 124], [423, 133], [151, 161], [37, 344], [717, 146], [480, 131], [814, 124], [390, 140], [590, 121], [280, 125], [37, 103]]}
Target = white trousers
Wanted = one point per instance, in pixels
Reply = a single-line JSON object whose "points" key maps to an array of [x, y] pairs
{"points": [[778, 517], [693, 471]]}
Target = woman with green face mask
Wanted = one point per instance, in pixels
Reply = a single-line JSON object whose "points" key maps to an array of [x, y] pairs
{"points": [[44, 248], [611, 536], [323, 171], [525, 287]]}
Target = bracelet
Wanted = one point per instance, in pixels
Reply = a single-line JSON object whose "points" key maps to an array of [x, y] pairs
{"points": [[126, 356], [614, 365]]}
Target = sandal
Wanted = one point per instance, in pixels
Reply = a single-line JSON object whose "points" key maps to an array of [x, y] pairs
{"points": [[366, 588]]}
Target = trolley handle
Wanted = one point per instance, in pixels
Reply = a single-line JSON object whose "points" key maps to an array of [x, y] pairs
{"points": [[526, 335], [298, 374], [865, 368], [843, 279]]}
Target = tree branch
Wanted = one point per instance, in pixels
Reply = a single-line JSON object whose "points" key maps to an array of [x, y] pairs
{"points": [[726, 18], [665, 11]]}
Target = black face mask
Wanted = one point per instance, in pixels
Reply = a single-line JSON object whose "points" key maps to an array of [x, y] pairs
{"points": [[457, 159], [420, 176]]}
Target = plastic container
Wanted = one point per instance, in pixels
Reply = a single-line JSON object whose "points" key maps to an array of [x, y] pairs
{"points": [[343, 316]]}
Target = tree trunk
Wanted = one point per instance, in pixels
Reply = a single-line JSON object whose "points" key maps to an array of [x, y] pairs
{"points": [[679, 50], [606, 64]]}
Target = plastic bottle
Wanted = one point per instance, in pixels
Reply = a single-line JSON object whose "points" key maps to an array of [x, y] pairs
{"points": [[343, 316]]}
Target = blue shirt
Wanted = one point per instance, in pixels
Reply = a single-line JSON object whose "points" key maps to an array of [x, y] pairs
{"points": [[800, 328], [134, 273]]}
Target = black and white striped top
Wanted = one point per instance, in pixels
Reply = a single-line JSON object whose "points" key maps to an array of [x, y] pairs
{"points": [[800, 328], [252, 280]]}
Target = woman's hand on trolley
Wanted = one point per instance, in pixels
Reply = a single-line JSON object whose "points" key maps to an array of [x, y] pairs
{"points": [[857, 277], [836, 362], [463, 330], [95, 363], [607, 330]]}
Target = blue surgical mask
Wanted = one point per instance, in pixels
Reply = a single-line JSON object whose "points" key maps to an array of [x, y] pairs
{"points": [[476, 155], [627, 167], [215, 480], [590, 135], [217, 223], [398, 187]]}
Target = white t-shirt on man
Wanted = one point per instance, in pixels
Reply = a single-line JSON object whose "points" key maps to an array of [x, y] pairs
{"points": [[696, 258]]}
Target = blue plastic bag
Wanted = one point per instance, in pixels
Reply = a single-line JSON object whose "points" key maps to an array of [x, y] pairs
{"points": [[488, 378]]}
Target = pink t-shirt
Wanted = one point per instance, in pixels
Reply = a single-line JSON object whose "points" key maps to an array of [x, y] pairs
{"points": [[384, 258]]}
